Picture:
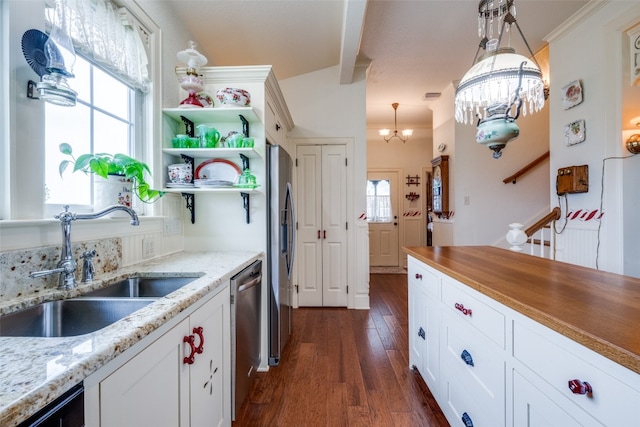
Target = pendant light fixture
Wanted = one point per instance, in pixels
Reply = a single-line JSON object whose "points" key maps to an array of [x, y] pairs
{"points": [[406, 133], [501, 84]]}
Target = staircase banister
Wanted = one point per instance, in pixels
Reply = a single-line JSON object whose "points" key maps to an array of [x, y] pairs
{"points": [[554, 215], [513, 178]]}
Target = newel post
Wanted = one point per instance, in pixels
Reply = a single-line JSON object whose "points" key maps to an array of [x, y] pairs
{"points": [[516, 237]]}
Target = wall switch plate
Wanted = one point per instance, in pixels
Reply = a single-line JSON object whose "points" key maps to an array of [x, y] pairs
{"points": [[148, 247]]}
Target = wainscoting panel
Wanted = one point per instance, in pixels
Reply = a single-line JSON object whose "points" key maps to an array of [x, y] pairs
{"points": [[578, 244]]}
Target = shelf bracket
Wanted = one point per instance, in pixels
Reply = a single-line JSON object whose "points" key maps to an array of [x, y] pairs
{"points": [[245, 203], [188, 126], [245, 161], [189, 160], [191, 205], [245, 125]]}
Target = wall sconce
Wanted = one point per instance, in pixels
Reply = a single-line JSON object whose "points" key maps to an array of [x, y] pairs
{"points": [[633, 143], [52, 58]]}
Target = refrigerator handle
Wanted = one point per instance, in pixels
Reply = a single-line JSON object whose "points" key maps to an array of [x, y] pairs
{"points": [[292, 248]]}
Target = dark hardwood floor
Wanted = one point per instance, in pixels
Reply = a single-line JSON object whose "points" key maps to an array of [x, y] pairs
{"points": [[346, 368]]}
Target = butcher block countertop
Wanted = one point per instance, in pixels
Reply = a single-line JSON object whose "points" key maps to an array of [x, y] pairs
{"points": [[597, 309]]}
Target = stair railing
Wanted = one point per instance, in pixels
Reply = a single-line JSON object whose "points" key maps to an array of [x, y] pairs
{"points": [[540, 236], [513, 178]]}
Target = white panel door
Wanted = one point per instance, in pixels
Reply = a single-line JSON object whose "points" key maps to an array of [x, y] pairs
{"points": [[309, 223], [322, 222], [384, 244], [334, 226]]}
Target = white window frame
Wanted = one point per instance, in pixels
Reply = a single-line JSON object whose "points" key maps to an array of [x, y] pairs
{"points": [[22, 163]]}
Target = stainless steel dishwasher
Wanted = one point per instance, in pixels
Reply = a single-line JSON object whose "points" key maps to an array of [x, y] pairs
{"points": [[246, 290]]}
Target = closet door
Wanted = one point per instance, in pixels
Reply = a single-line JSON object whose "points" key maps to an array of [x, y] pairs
{"points": [[322, 237]]}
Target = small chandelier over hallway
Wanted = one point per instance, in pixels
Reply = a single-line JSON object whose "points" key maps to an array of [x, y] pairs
{"points": [[406, 133], [501, 83]]}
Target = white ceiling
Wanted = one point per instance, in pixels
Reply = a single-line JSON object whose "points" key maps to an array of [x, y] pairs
{"points": [[415, 46]]}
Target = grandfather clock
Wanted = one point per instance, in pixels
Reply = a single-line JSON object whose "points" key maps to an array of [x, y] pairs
{"points": [[440, 186]]}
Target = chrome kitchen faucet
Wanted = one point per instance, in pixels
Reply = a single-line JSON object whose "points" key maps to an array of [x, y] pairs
{"points": [[67, 265]]}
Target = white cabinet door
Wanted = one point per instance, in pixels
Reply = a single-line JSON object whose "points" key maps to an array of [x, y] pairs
{"points": [[424, 323], [417, 332], [321, 201], [210, 378], [151, 389], [157, 388]]}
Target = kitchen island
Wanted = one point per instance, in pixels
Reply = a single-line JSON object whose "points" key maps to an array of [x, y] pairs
{"points": [[35, 371], [534, 341]]}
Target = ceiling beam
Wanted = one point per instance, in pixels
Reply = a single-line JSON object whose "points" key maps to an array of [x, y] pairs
{"points": [[352, 27]]}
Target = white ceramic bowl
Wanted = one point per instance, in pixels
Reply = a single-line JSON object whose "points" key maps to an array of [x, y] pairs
{"points": [[180, 173], [233, 97]]}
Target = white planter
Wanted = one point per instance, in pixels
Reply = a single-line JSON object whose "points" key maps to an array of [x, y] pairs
{"points": [[115, 190]]}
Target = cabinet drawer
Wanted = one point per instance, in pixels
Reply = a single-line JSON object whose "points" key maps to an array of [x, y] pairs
{"points": [[468, 306], [423, 277], [474, 360], [616, 392], [539, 407]]}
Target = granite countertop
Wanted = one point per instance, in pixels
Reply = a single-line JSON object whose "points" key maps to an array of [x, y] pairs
{"points": [[35, 371], [597, 309]]}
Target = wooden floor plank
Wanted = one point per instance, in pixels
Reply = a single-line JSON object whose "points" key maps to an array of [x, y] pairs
{"points": [[345, 368]]}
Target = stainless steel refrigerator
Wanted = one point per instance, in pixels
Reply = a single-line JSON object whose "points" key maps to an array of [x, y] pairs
{"points": [[281, 241]]}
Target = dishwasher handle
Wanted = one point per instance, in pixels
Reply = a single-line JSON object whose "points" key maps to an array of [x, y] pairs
{"points": [[250, 284]]}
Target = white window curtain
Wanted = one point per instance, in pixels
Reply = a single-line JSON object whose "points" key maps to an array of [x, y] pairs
{"points": [[108, 35]]}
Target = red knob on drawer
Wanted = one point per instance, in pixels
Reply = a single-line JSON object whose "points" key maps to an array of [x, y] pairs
{"points": [[418, 276], [578, 387], [465, 311]]}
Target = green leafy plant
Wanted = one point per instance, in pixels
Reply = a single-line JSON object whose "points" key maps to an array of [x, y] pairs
{"points": [[104, 164]]}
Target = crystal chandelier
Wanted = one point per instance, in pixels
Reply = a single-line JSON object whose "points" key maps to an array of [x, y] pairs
{"points": [[501, 84], [406, 133]]}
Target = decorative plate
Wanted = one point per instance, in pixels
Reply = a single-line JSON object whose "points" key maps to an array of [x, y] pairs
{"points": [[218, 169], [33, 49], [571, 94], [574, 133]]}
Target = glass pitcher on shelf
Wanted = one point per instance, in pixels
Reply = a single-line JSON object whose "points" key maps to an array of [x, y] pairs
{"points": [[209, 136]]}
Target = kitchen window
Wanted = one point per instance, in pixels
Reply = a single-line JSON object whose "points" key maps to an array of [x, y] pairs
{"points": [[379, 201], [111, 78], [103, 120]]}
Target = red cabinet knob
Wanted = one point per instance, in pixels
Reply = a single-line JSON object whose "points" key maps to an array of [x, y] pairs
{"points": [[192, 352], [461, 307], [200, 333], [578, 387]]}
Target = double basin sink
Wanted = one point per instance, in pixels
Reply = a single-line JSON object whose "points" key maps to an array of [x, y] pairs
{"points": [[90, 312]]}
